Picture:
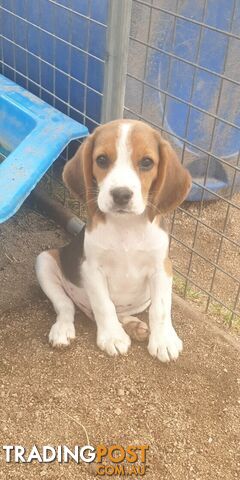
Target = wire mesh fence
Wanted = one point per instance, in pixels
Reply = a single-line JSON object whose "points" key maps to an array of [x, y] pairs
{"points": [[183, 78], [56, 50]]}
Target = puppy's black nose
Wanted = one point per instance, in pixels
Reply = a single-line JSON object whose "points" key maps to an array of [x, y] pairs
{"points": [[121, 195]]}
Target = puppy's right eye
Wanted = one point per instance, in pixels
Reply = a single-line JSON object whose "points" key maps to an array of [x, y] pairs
{"points": [[102, 161]]}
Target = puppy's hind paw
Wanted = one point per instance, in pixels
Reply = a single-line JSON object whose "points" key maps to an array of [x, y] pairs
{"points": [[135, 328]]}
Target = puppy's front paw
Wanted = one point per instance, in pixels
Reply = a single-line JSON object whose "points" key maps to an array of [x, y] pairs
{"points": [[165, 344], [113, 341], [61, 333]]}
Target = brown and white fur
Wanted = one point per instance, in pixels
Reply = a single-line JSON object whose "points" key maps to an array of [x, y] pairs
{"points": [[129, 176]]}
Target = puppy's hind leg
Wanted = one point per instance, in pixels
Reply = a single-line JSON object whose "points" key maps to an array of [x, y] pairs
{"points": [[135, 328], [49, 277]]}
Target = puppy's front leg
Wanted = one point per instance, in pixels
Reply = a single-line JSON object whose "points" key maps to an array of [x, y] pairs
{"points": [[110, 335], [163, 341]]}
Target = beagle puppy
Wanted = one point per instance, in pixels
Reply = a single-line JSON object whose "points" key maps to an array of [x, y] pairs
{"points": [[129, 176]]}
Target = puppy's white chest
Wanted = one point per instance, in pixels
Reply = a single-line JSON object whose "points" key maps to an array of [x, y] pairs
{"points": [[125, 234], [127, 255], [125, 268]]}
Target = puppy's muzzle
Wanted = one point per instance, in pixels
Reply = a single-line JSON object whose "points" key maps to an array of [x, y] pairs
{"points": [[121, 196]]}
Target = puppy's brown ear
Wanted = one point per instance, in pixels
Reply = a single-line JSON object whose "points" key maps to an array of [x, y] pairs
{"points": [[173, 181], [77, 172]]}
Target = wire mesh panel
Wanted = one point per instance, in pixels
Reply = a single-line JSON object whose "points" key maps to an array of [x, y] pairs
{"points": [[184, 79], [56, 49]]}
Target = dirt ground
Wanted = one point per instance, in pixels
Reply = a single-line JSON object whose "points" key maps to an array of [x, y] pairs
{"points": [[187, 412]]}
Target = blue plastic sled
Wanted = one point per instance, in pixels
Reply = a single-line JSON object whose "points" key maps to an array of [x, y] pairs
{"points": [[32, 136]]}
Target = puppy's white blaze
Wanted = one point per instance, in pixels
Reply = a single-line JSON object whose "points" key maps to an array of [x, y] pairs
{"points": [[122, 175], [124, 149]]}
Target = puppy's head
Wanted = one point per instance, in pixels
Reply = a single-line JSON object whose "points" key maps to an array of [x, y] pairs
{"points": [[125, 167]]}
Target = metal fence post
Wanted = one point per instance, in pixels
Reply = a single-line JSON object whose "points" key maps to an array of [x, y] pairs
{"points": [[116, 61]]}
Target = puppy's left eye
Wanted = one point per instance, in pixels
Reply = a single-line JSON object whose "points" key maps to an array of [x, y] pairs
{"points": [[146, 164], [102, 161]]}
